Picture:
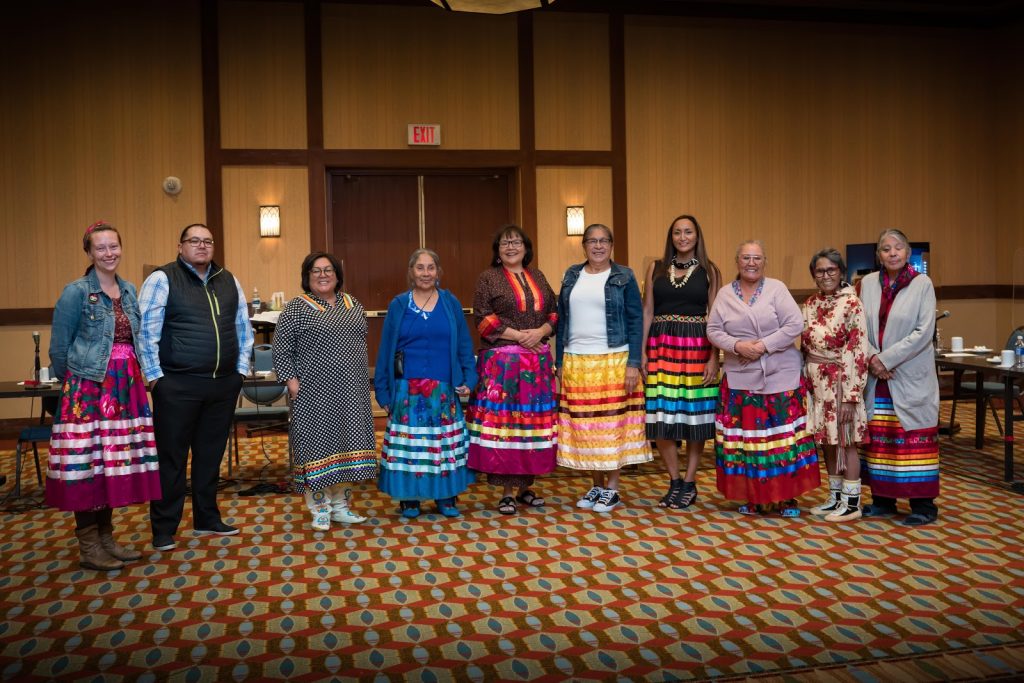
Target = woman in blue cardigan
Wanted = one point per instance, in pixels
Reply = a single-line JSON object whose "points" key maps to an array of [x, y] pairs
{"points": [[424, 364]]}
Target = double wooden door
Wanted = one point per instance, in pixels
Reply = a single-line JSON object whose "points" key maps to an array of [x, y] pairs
{"points": [[379, 218]]}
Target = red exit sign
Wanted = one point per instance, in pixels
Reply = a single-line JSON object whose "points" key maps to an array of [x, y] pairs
{"points": [[424, 134]]}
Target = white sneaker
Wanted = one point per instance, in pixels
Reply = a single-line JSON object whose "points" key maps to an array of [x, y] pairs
{"points": [[608, 500], [589, 498], [346, 516]]}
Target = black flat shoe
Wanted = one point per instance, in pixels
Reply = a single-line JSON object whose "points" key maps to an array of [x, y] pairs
{"points": [[877, 511], [917, 519]]}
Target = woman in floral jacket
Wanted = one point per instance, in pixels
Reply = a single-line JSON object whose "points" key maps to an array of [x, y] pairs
{"points": [[835, 348]]}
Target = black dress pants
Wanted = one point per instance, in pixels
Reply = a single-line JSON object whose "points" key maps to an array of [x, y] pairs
{"points": [[194, 413]]}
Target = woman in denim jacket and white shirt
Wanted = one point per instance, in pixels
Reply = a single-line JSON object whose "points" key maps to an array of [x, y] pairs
{"points": [[102, 452], [601, 405]]}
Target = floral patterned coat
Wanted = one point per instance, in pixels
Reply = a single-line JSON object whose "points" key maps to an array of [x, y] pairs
{"points": [[835, 347]]}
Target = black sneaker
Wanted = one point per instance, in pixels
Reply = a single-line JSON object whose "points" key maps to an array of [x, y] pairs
{"points": [[164, 543], [218, 529], [608, 499]]}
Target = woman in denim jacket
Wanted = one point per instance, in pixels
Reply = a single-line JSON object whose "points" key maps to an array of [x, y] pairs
{"points": [[601, 406], [102, 452]]}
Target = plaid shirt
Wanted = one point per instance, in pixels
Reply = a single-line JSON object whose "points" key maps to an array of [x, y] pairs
{"points": [[152, 304]]}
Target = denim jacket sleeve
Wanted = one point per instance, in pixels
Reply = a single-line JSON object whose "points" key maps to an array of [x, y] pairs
{"points": [[66, 318], [634, 320]]}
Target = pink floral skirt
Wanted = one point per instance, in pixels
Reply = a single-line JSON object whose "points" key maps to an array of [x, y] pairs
{"points": [[102, 452]]}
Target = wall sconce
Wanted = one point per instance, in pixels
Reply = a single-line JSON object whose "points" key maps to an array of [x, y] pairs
{"points": [[270, 221], [574, 220]]}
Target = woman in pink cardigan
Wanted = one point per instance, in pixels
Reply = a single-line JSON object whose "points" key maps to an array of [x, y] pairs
{"points": [[764, 454]]}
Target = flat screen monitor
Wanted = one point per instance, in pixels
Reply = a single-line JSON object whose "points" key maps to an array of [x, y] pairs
{"points": [[861, 259]]}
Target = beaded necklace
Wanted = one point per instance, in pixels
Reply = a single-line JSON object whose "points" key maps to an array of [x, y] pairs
{"points": [[691, 264]]}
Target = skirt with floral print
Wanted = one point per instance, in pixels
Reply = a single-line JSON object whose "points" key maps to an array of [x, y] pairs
{"points": [[512, 414], [102, 452], [426, 443]]}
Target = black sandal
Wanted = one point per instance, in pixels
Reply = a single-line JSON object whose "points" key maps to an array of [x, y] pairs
{"points": [[687, 495], [530, 499], [671, 499], [507, 506]]}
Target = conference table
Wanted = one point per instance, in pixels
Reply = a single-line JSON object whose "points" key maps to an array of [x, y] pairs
{"points": [[1008, 376]]}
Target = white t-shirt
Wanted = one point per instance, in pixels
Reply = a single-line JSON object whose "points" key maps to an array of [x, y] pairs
{"points": [[588, 326]]}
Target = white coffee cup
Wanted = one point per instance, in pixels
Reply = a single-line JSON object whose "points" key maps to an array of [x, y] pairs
{"points": [[1007, 359], [956, 344], [44, 374]]}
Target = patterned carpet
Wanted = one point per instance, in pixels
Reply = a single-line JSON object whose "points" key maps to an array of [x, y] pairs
{"points": [[554, 594]]}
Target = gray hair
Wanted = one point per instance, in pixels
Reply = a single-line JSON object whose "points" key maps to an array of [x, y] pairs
{"points": [[745, 243], [833, 255], [598, 226], [893, 232], [415, 257]]}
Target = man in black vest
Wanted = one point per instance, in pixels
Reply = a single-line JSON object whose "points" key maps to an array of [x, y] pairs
{"points": [[194, 346]]}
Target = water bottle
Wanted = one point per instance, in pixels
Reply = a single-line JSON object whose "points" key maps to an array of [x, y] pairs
{"points": [[256, 303], [1018, 351]]}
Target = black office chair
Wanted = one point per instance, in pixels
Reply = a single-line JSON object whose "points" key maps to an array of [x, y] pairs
{"points": [[990, 390], [34, 435], [262, 411]]}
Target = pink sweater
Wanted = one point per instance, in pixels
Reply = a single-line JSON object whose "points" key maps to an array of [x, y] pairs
{"points": [[775, 319]]}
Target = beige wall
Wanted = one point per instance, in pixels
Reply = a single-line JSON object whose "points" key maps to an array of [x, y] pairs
{"points": [[270, 264], [799, 134], [807, 135], [108, 104], [557, 188], [387, 67], [571, 86], [262, 75]]}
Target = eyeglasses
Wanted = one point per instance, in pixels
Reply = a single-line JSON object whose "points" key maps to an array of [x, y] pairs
{"points": [[826, 272], [511, 243], [321, 271], [751, 258], [595, 241], [196, 241]]}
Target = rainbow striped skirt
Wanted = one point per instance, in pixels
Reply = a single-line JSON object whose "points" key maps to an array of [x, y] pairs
{"points": [[899, 463], [679, 406]]}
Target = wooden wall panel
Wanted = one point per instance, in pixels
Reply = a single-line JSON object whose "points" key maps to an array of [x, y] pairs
{"points": [[807, 135], [386, 67], [262, 75], [557, 188], [571, 80], [1008, 249], [107, 105], [270, 264]]}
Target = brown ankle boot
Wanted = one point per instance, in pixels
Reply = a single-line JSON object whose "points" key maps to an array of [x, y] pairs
{"points": [[91, 554], [113, 548]]}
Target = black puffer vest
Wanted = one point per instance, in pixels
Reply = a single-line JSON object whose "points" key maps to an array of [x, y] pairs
{"points": [[199, 335]]}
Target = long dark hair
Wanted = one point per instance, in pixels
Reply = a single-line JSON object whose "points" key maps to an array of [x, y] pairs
{"points": [[98, 226], [700, 252]]}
